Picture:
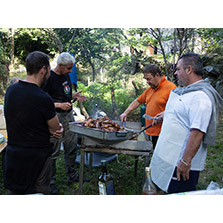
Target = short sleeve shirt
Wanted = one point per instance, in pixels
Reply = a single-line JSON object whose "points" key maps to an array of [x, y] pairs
{"points": [[59, 87], [155, 100], [27, 109], [193, 111]]}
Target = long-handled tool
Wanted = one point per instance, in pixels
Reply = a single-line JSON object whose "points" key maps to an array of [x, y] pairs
{"points": [[136, 131], [150, 117]]}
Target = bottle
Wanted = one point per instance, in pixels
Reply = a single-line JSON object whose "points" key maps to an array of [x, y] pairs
{"points": [[148, 188], [105, 181], [96, 112]]}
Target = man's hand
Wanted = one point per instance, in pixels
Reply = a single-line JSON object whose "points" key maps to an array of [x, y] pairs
{"points": [[123, 117], [79, 96], [159, 118], [65, 106], [58, 133], [183, 170], [135, 104]]}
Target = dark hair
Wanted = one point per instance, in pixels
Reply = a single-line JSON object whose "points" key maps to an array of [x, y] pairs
{"points": [[152, 69], [194, 61], [35, 61]]}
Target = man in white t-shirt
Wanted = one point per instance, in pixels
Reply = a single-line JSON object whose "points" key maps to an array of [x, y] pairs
{"points": [[190, 123]]}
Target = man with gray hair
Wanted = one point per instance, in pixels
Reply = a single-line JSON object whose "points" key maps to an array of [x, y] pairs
{"points": [[59, 88]]}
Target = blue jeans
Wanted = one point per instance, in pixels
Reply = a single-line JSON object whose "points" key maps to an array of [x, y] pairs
{"points": [[183, 186]]}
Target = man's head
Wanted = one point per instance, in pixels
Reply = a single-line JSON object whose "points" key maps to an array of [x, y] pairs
{"points": [[35, 61], [189, 69], [65, 62], [153, 75], [38, 63]]}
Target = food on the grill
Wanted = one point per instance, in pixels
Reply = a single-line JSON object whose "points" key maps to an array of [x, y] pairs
{"points": [[102, 123]]}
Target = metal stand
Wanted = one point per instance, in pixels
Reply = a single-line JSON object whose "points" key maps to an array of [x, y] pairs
{"points": [[128, 147]]}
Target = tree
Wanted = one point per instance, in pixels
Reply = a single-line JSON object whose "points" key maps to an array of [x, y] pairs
{"points": [[210, 39], [169, 43], [5, 49], [30, 39], [91, 47]]}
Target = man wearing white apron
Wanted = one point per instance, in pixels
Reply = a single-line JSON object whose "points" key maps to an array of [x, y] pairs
{"points": [[189, 124]]}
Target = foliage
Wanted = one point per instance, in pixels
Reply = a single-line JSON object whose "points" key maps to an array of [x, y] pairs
{"points": [[100, 94], [29, 39], [210, 39], [169, 43], [90, 46], [4, 59]]}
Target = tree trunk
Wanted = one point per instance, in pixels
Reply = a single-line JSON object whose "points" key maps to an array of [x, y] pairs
{"points": [[12, 47], [193, 41], [158, 36], [72, 39], [55, 38], [172, 69], [93, 70], [163, 52], [114, 109], [136, 88]]}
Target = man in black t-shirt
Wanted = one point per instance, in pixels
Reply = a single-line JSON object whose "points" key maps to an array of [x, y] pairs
{"points": [[60, 89], [30, 120]]}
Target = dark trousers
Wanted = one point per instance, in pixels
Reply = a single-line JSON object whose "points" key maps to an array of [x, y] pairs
{"points": [[152, 138], [154, 141], [27, 170], [42, 183], [183, 186], [69, 140]]}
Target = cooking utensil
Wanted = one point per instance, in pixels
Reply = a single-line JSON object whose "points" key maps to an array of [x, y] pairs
{"points": [[127, 129], [145, 128], [137, 133], [134, 130], [150, 117]]}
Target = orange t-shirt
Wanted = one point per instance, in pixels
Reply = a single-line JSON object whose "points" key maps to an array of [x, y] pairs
{"points": [[155, 100]]}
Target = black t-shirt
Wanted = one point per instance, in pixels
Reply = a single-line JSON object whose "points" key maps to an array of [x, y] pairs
{"points": [[27, 109], [59, 88]]}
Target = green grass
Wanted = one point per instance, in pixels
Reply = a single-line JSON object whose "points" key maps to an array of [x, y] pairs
{"points": [[122, 170]]}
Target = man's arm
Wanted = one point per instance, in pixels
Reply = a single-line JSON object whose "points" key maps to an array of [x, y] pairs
{"points": [[135, 104], [55, 127], [193, 144]]}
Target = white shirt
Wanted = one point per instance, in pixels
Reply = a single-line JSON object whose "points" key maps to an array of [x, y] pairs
{"points": [[193, 111]]}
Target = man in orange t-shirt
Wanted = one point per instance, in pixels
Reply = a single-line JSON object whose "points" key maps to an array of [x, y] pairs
{"points": [[155, 97]]}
